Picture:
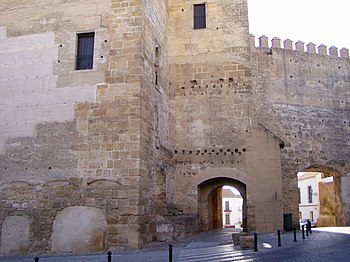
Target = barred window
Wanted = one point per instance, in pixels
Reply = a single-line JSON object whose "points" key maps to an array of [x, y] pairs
{"points": [[199, 16], [227, 219], [227, 205], [85, 51]]}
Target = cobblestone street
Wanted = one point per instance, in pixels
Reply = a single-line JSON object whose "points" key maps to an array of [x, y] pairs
{"points": [[325, 244]]}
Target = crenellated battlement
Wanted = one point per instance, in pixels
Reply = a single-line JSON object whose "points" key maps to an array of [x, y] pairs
{"points": [[299, 46]]}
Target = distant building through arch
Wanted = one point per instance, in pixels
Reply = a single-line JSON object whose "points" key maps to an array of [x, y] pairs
{"points": [[232, 207]]}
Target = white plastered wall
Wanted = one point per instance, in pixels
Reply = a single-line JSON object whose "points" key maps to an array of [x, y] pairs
{"points": [[28, 86]]}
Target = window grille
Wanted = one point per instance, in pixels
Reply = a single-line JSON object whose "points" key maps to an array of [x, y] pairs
{"points": [[227, 219], [199, 16], [85, 51], [227, 205]]}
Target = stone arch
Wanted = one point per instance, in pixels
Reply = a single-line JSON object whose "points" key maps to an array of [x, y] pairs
{"points": [[328, 171], [229, 173], [79, 229], [335, 189], [208, 198]]}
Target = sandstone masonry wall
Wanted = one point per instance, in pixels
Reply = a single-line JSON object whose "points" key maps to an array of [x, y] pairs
{"points": [[140, 143], [157, 167], [213, 129], [303, 98], [90, 156]]}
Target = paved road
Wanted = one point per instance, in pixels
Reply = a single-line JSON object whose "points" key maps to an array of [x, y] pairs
{"points": [[325, 244], [322, 245]]}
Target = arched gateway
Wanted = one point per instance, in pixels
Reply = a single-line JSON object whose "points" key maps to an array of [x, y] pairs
{"points": [[210, 202], [163, 114]]}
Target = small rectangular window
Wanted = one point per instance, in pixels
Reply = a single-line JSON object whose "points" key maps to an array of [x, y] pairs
{"points": [[199, 16], [85, 51], [309, 191], [227, 205], [227, 219]]}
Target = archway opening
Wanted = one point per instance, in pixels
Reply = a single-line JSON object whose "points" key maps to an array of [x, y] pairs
{"points": [[232, 208], [319, 197], [214, 211]]}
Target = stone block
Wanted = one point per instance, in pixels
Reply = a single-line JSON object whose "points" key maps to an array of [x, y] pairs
{"points": [[235, 238], [246, 242]]}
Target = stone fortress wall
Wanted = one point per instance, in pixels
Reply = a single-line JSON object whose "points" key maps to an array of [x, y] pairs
{"points": [[213, 131], [78, 141], [302, 96], [134, 150]]}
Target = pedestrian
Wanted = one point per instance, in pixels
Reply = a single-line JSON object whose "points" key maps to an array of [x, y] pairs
{"points": [[308, 226]]}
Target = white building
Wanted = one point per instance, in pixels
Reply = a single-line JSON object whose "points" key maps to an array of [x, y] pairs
{"points": [[231, 207], [308, 184]]}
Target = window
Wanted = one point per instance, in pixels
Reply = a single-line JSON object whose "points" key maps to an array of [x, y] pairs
{"points": [[309, 191], [312, 215], [299, 195], [199, 16], [85, 51], [227, 219], [156, 66], [227, 205]]}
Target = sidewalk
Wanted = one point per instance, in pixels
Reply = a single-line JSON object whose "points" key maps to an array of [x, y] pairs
{"points": [[208, 246]]}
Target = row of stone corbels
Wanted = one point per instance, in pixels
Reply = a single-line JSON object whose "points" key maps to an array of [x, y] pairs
{"points": [[299, 46]]}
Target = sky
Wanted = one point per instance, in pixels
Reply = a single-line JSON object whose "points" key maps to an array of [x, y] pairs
{"points": [[317, 21]]}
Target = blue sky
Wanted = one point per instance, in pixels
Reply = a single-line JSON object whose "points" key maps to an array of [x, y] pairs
{"points": [[317, 21]]}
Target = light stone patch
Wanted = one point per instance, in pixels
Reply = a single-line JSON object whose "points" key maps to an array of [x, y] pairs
{"points": [[28, 87], [79, 229], [2, 32], [15, 235]]}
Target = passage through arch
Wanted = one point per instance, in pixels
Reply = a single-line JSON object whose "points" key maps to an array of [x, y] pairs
{"points": [[320, 196], [210, 207]]}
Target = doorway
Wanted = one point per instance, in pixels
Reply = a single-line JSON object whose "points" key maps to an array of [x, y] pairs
{"points": [[232, 207], [211, 206]]}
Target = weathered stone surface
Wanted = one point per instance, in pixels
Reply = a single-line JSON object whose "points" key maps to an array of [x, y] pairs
{"points": [[235, 238], [246, 242], [79, 229], [15, 233], [165, 118]]}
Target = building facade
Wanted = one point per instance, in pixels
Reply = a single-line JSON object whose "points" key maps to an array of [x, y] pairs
{"points": [[232, 209], [309, 204], [317, 199], [122, 120]]}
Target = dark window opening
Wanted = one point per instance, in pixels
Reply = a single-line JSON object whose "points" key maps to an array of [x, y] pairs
{"points": [[156, 66], [199, 16], [227, 205], [309, 191], [156, 78], [85, 51], [227, 219]]}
